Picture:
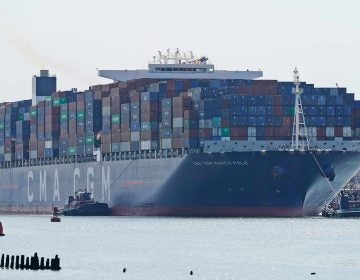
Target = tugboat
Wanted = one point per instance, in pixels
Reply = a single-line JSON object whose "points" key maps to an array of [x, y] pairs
{"points": [[346, 207], [83, 205]]}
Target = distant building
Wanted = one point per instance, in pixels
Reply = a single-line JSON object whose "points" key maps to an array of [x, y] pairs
{"points": [[42, 86]]}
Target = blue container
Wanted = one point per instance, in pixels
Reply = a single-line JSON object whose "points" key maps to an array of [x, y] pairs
{"points": [[330, 121], [269, 110], [347, 110], [346, 121], [330, 110], [339, 110], [321, 100], [269, 121], [260, 110], [260, 131], [252, 121], [311, 121], [321, 121], [135, 126], [260, 121], [252, 110], [338, 121], [277, 121], [321, 110], [243, 121]]}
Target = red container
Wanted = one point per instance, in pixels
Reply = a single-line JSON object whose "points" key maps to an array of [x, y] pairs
{"points": [[190, 133], [190, 115], [125, 136], [149, 135], [239, 132], [205, 132], [225, 122], [177, 143], [115, 137], [338, 132]]}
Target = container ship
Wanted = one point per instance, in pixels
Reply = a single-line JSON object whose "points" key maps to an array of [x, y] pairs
{"points": [[180, 139]]}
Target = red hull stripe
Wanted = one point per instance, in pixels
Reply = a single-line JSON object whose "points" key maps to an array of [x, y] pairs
{"points": [[208, 211]]}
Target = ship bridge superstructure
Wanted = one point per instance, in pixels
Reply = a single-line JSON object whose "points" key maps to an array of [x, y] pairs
{"points": [[179, 65]]}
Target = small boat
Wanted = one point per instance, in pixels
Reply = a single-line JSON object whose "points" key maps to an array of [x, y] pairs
{"points": [[81, 204]]}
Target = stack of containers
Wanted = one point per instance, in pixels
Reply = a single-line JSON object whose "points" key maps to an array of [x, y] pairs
{"points": [[80, 124], [149, 135], [115, 111], [22, 139], [52, 130], [2, 132], [135, 120], [93, 119], [238, 112], [64, 130], [166, 123], [181, 103], [125, 127], [10, 118], [41, 129], [191, 129], [72, 140], [106, 125], [33, 133]]}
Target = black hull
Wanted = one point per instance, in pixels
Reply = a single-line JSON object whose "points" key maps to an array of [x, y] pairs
{"points": [[91, 209]]}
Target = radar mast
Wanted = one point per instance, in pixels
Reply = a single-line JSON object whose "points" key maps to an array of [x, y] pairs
{"points": [[299, 139]]}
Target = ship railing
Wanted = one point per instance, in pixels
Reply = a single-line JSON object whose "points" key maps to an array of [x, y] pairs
{"points": [[116, 156]]}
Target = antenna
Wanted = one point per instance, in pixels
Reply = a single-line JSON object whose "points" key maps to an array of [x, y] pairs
{"points": [[299, 139]]}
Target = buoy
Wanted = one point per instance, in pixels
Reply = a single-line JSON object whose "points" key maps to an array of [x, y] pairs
{"points": [[55, 218], [191, 272], [1, 230], [124, 270]]}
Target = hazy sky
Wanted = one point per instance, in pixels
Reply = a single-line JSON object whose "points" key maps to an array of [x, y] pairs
{"points": [[72, 38]]}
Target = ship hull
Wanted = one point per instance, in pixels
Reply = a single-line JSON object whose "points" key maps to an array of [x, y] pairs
{"points": [[274, 183]]}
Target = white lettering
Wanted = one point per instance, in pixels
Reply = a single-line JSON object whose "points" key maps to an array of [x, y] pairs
{"points": [[56, 186], [90, 184], [30, 176], [42, 186], [76, 174], [105, 183]]}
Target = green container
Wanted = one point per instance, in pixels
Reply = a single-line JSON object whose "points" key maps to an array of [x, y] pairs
{"points": [[225, 132], [21, 117], [89, 140], [64, 116], [292, 111], [48, 98], [216, 122], [56, 102], [80, 115], [1, 126], [72, 151], [63, 101], [115, 119], [33, 113]]}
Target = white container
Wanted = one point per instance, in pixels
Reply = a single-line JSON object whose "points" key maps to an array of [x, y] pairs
{"points": [[251, 131], [329, 132], [201, 123], [48, 144], [346, 131], [33, 154], [135, 136], [125, 146], [166, 143], [178, 122]]}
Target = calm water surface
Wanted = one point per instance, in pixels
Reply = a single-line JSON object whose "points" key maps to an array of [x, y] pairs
{"points": [[169, 248]]}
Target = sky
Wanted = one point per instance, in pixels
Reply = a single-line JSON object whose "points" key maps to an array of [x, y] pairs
{"points": [[74, 38]]}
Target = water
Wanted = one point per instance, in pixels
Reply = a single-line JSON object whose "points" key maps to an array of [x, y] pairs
{"points": [[169, 248]]}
